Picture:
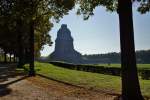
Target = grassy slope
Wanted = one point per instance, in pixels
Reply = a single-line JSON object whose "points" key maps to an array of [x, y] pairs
{"points": [[87, 79]]}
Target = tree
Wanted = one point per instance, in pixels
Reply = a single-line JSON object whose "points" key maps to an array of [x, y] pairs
{"points": [[32, 23], [130, 82], [46, 9]]}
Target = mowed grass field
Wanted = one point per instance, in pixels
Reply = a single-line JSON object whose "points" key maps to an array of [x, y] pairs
{"points": [[140, 66], [106, 83]]}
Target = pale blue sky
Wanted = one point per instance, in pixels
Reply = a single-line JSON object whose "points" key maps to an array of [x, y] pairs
{"points": [[100, 34]]}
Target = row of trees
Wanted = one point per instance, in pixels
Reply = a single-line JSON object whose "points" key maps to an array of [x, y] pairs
{"points": [[24, 22], [24, 27], [142, 56], [4, 58]]}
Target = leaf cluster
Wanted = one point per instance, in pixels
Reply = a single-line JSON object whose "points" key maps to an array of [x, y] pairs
{"points": [[16, 16], [86, 7]]}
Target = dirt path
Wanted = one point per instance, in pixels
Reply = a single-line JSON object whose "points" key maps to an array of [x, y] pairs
{"points": [[38, 88], [16, 86]]}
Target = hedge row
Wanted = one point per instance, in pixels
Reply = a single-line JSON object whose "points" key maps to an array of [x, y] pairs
{"points": [[144, 73]]}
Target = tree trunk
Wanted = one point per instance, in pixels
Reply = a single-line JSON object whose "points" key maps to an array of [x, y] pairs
{"points": [[9, 57], [5, 57], [130, 82], [14, 60], [20, 45], [31, 44]]}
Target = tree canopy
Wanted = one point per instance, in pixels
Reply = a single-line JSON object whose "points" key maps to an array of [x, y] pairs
{"points": [[41, 11], [25, 25], [86, 7]]}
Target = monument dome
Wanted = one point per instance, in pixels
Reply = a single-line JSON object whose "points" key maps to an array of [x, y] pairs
{"points": [[64, 48]]}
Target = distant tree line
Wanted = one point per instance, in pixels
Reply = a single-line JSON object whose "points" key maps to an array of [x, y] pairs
{"points": [[142, 56]]}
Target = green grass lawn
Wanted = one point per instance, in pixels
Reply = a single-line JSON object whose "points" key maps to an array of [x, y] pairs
{"points": [[87, 79], [145, 66]]}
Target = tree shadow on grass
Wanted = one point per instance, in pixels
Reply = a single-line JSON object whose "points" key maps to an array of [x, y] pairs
{"points": [[117, 95], [81, 87]]}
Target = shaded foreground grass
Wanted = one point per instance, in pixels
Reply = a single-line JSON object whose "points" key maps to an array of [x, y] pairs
{"points": [[106, 83]]}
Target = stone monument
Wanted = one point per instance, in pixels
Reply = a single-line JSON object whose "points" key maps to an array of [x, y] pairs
{"points": [[64, 48]]}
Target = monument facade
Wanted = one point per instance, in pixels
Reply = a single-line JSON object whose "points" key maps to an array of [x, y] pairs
{"points": [[64, 48]]}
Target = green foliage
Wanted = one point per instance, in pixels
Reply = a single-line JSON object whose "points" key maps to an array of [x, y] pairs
{"points": [[144, 6], [16, 17], [90, 68], [111, 58], [86, 7]]}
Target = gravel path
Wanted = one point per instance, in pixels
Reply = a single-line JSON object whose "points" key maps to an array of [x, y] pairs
{"points": [[38, 88]]}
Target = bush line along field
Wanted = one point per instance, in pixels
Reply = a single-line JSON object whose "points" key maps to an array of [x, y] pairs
{"points": [[107, 83], [113, 65], [102, 69]]}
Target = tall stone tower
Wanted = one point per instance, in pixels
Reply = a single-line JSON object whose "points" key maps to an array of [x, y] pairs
{"points": [[64, 48]]}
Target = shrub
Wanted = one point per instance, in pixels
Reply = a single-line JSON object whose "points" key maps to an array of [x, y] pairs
{"points": [[144, 73]]}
